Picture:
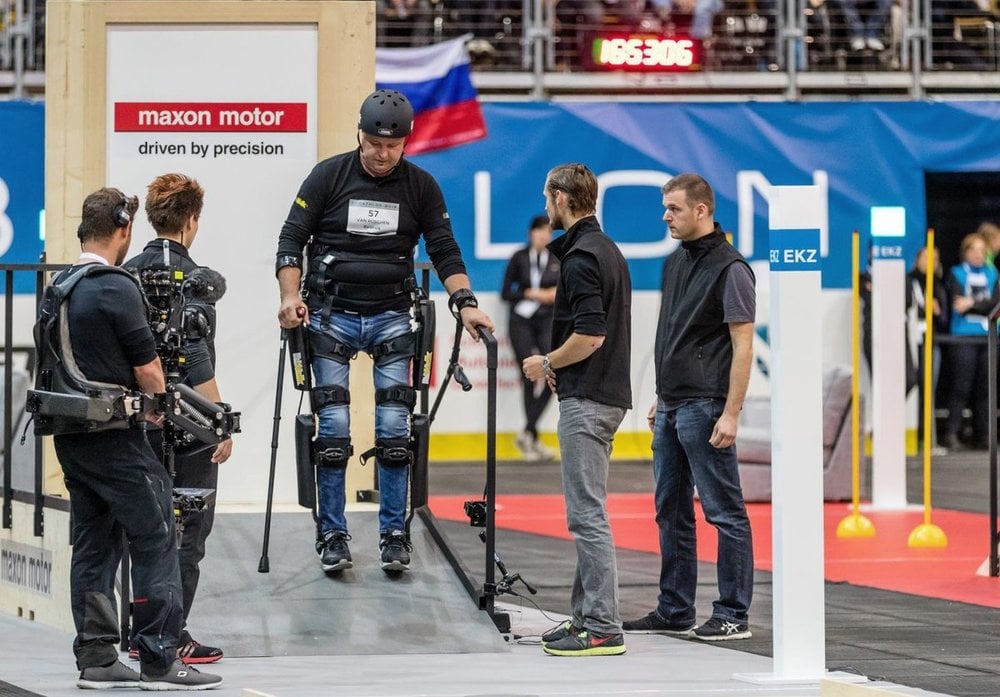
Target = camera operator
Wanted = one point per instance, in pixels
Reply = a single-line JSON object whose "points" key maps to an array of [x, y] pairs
{"points": [[362, 213], [173, 207], [114, 480]]}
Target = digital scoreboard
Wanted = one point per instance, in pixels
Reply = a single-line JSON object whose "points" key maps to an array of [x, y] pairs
{"points": [[646, 53]]}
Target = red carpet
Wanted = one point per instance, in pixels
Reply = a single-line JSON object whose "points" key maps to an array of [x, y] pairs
{"points": [[884, 561]]}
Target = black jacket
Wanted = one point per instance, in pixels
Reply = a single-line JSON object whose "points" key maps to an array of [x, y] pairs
{"points": [[594, 297], [694, 351], [517, 279]]}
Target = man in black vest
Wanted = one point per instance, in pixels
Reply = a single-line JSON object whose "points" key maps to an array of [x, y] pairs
{"points": [[703, 352], [360, 215], [173, 207], [589, 370], [115, 482]]}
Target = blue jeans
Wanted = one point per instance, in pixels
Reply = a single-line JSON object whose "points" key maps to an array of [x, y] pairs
{"points": [[392, 420], [873, 24], [586, 431], [682, 459]]}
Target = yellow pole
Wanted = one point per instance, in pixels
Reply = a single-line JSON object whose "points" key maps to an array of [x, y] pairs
{"points": [[927, 534], [855, 524]]}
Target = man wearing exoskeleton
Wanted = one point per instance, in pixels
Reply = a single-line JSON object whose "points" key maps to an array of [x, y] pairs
{"points": [[360, 215], [183, 296]]}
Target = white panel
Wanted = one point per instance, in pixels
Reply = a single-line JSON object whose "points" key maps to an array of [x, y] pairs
{"points": [[246, 199]]}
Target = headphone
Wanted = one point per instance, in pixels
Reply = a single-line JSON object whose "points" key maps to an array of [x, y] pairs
{"points": [[121, 215]]}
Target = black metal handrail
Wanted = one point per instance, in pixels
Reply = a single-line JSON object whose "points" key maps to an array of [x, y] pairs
{"points": [[38, 497]]}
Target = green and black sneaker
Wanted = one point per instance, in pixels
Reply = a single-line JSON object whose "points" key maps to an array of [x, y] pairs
{"points": [[560, 631], [585, 643]]}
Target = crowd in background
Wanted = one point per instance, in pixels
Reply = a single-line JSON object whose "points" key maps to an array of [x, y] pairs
{"points": [[962, 301], [731, 34]]}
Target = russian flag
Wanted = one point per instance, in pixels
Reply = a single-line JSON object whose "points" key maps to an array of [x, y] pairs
{"points": [[437, 81]]}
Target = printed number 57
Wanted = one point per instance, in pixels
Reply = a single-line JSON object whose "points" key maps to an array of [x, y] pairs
{"points": [[372, 214]]}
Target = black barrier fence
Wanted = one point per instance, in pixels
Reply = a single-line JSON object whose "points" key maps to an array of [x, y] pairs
{"points": [[990, 342], [36, 496], [539, 47]]}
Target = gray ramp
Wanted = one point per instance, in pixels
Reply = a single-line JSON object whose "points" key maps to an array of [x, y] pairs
{"points": [[297, 610]]}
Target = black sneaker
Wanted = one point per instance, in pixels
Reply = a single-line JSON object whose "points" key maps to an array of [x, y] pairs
{"points": [[193, 652], [654, 624], [179, 677], [560, 631], [718, 629], [395, 551], [334, 554], [107, 677], [585, 643]]}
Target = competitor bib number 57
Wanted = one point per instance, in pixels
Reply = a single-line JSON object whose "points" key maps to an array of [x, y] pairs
{"points": [[374, 218]]}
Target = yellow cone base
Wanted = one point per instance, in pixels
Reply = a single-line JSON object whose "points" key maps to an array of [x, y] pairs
{"points": [[927, 535], [855, 525]]}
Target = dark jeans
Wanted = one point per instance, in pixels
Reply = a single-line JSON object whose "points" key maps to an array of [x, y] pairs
{"points": [[196, 471], [682, 459], [969, 386], [530, 336], [117, 484]]}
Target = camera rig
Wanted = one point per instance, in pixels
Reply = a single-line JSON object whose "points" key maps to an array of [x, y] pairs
{"points": [[180, 309]]}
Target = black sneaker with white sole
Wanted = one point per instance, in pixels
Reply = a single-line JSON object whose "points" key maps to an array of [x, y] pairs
{"points": [[654, 624], [179, 677], [107, 677], [394, 551], [718, 629], [334, 554]]}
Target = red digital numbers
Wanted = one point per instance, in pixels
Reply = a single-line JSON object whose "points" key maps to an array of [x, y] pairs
{"points": [[644, 52]]}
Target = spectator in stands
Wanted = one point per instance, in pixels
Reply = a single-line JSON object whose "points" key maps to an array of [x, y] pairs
{"points": [[866, 22], [574, 19], [402, 22], [991, 234], [972, 286], [529, 285], [702, 14], [950, 47], [916, 316]]}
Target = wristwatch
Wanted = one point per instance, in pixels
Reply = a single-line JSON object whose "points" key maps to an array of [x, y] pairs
{"points": [[546, 365]]}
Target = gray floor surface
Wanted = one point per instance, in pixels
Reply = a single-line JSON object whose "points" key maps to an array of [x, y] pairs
{"points": [[400, 636]]}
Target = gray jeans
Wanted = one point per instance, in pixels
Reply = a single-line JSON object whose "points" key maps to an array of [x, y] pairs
{"points": [[586, 432]]}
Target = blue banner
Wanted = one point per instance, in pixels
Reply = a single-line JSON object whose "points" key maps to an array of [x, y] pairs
{"points": [[22, 186], [862, 154]]}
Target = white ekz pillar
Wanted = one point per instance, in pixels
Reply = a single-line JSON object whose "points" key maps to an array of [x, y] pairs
{"points": [[888, 300], [796, 436]]}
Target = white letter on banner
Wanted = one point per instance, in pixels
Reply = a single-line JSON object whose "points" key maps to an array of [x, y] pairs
{"points": [[487, 249], [749, 181], [6, 226], [636, 177], [481, 197]]}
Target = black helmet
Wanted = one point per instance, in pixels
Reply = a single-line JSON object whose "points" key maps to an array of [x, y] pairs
{"points": [[386, 113]]}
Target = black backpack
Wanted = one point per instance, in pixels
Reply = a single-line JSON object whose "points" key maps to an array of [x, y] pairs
{"points": [[64, 400]]}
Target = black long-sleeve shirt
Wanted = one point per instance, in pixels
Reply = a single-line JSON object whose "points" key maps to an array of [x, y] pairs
{"points": [[342, 208], [594, 298]]}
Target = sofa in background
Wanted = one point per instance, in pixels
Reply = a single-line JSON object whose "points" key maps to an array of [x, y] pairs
{"points": [[753, 440]]}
